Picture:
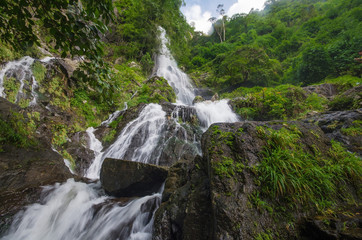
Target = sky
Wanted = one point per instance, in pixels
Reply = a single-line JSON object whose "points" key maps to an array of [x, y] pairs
{"points": [[198, 12]]}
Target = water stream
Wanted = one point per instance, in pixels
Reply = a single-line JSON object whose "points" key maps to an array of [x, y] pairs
{"points": [[76, 210]]}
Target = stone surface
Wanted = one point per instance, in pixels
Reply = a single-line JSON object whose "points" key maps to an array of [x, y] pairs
{"points": [[122, 178], [199, 203], [327, 90], [334, 124]]}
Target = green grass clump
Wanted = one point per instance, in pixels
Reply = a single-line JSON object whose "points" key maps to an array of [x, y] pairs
{"points": [[39, 71], [282, 102], [345, 82], [17, 131], [289, 173], [227, 167], [354, 130], [11, 88]]}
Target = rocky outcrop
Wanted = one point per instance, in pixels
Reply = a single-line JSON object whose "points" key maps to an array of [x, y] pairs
{"points": [[327, 90], [122, 178], [217, 196], [342, 126]]}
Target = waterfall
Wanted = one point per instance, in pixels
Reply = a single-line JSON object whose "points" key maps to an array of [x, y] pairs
{"points": [[76, 210], [21, 71], [177, 79], [210, 112]]}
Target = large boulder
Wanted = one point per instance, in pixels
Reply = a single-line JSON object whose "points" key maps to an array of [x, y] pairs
{"points": [[122, 178], [224, 190]]}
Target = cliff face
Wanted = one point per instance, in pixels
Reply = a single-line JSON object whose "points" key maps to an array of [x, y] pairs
{"points": [[225, 194], [24, 169]]}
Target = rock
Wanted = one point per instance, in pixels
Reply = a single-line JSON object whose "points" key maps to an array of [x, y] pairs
{"points": [[198, 99], [122, 178], [204, 199], [327, 90], [204, 93], [134, 65], [215, 97], [348, 100], [336, 124]]}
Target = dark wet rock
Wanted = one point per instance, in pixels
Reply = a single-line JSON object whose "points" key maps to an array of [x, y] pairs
{"points": [[348, 100], [204, 93], [327, 90], [336, 124], [198, 99], [185, 212], [122, 178], [24, 170], [200, 203], [78, 148], [345, 224]]}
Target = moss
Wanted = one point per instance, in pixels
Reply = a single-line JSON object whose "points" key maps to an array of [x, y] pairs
{"points": [[11, 88], [354, 130], [290, 174], [110, 136], [39, 71], [227, 167], [5, 53], [59, 135], [18, 131]]}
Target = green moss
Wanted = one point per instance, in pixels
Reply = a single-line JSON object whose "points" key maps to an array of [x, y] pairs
{"points": [[69, 157], [282, 102], [110, 136], [39, 71], [227, 167], [354, 130], [17, 131], [11, 88], [5, 53], [59, 135], [289, 173]]}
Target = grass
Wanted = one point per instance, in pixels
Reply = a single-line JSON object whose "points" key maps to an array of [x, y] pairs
{"points": [[282, 102], [354, 130], [289, 173]]}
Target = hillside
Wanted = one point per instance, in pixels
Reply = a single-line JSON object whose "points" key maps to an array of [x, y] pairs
{"points": [[119, 121]]}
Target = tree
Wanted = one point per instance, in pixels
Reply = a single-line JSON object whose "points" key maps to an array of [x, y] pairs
{"points": [[219, 24], [74, 27]]}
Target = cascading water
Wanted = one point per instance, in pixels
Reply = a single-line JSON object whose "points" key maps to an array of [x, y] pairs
{"points": [[76, 210], [167, 68], [21, 71]]}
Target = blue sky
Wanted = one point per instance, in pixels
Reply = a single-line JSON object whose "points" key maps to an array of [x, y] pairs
{"points": [[199, 11]]}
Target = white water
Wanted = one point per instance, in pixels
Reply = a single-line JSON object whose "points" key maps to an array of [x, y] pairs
{"points": [[140, 137], [214, 112], [178, 80], [114, 115], [96, 146], [20, 69], [34, 86], [75, 210]]}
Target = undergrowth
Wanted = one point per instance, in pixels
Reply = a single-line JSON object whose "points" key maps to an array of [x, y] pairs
{"points": [[290, 174]]}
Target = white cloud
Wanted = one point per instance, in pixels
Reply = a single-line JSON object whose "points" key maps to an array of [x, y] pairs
{"points": [[198, 19], [244, 6]]}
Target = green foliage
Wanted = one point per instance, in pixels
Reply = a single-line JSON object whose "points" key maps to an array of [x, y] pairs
{"points": [[289, 173], [354, 130], [281, 102], [344, 82], [60, 136], [18, 131], [307, 41], [110, 136], [227, 167], [39, 71], [11, 88]]}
